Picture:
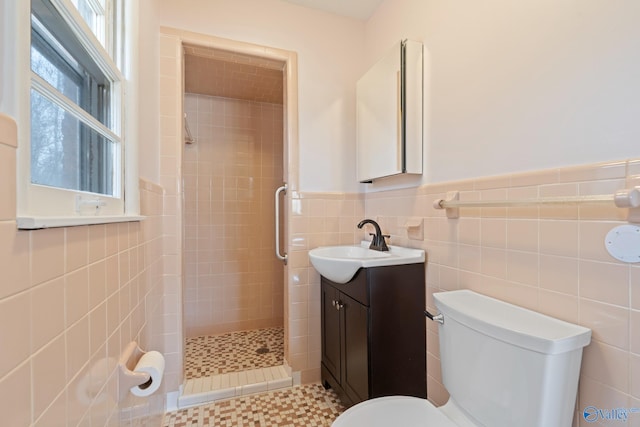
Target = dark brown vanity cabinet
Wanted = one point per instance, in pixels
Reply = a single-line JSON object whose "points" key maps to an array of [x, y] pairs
{"points": [[374, 333]]}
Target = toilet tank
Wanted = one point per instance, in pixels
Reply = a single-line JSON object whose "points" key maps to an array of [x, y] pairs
{"points": [[507, 366]]}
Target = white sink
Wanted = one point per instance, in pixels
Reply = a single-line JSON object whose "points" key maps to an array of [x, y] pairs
{"points": [[340, 263]]}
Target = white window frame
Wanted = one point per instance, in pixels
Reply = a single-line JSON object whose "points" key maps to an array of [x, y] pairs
{"points": [[42, 206]]}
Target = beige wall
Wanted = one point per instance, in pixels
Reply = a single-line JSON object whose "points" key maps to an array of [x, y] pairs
{"points": [[71, 299], [512, 88], [232, 279], [329, 50], [527, 88], [549, 259], [146, 84], [519, 86]]}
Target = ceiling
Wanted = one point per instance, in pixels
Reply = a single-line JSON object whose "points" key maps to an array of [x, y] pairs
{"points": [[217, 72], [358, 9]]}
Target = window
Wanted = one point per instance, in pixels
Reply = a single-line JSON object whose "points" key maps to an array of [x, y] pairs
{"points": [[93, 14], [76, 153]]}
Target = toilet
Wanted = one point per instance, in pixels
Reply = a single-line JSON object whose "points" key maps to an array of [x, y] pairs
{"points": [[502, 365]]}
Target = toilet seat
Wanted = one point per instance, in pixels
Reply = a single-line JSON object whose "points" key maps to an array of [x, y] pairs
{"points": [[393, 411]]}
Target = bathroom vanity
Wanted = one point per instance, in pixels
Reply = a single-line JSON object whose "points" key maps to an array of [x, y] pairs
{"points": [[374, 333]]}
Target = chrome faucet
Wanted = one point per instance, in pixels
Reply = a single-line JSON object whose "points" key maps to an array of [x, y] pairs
{"points": [[377, 243]]}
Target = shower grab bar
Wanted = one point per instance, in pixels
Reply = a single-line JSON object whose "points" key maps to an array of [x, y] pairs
{"points": [[626, 198], [282, 190]]}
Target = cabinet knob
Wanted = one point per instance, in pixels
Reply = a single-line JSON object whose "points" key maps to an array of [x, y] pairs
{"points": [[339, 305]]}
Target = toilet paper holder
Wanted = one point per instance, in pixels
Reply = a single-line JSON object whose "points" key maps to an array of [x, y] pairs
{"points": [[127, 377]]}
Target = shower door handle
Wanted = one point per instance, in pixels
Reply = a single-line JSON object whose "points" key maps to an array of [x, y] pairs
{"points": [[283, 190]]}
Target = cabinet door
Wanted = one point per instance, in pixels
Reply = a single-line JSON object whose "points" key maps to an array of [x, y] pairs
{"points": [[355, 364], [379, 141], [331, 331], [389, 114]]}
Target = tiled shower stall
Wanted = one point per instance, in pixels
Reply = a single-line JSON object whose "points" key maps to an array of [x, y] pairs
{"points": [[233, 281]]}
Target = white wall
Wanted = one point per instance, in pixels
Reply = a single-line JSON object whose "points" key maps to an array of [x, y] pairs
{"points": [[14, 58], [521, 85], [329, 51], [148, 84]]}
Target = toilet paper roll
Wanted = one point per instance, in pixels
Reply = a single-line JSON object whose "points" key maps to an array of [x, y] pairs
{"points": [[153, 364]]}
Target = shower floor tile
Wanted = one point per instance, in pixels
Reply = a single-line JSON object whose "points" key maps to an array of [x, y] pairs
{"points": [[233, 352], [308, 405]]}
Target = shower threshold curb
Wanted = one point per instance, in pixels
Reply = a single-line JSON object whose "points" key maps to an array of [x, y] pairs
{"points": [[198, 391]]}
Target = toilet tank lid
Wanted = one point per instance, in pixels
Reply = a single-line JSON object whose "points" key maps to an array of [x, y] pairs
{"points": [[510, 323]]}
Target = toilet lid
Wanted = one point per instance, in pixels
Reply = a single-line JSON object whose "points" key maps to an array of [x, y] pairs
{"points": [[394, 411]]}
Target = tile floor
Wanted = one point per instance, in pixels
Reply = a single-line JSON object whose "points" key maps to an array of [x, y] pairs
{"points": [[307, 405], [234, 352]]}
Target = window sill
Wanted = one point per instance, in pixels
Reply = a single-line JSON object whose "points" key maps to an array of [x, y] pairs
{"points": [[35, 223]]}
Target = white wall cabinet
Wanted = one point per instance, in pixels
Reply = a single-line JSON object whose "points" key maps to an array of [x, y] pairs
{"points": [[389, 114]]}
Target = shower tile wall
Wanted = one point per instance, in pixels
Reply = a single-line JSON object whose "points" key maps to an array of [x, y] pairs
{"points": [[232, 279]]}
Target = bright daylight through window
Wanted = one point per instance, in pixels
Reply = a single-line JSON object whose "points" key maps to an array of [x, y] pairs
{"points": [[77, 146]]}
